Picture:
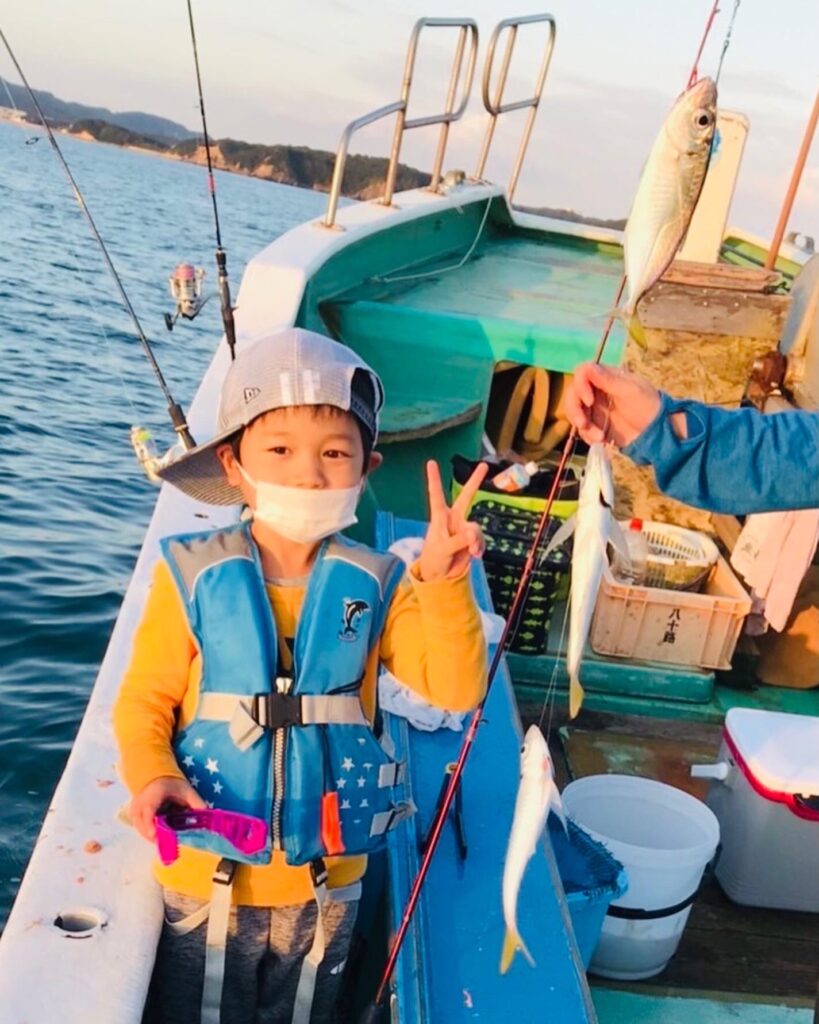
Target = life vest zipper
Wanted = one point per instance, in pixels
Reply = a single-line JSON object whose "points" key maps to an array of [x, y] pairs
{"points": [[279, 740]]}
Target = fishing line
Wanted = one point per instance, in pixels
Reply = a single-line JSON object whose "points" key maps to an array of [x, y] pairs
{"points": [[174, 411], [221, 255], [727, 41], [12, 105], [442, 270]]}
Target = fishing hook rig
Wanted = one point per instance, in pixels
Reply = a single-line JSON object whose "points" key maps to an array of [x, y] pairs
{"points": [[221, 256], [149, 458], [727, 40]]}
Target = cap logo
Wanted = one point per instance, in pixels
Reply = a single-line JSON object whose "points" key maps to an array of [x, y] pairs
{"points": [[250, 393]]}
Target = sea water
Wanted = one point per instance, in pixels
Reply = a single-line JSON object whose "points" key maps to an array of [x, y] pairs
{"points": [[74, 502]]}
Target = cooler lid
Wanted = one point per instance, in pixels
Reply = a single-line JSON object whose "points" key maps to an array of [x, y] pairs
{"points": [[781, 751]]}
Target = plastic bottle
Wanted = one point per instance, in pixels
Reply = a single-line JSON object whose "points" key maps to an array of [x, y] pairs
{"points": [[146, 452], [636, 571], [515, 477]]}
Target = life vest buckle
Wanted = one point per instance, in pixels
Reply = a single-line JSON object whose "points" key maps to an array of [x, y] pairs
{"points": [[318, 872], [225, 870], [276, 710]]}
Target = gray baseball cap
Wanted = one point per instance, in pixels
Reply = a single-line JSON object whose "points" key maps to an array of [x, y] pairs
{"points": [[292, 367]]}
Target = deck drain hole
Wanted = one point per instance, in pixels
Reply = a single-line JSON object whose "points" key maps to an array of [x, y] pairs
{"points": [[81, 923]]}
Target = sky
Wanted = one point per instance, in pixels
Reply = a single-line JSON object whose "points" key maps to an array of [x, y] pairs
{"points": [[298, 72]]}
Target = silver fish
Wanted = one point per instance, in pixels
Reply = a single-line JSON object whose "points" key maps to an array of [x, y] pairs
{"points": [[667, 194], [537, 795], [595, 527]]}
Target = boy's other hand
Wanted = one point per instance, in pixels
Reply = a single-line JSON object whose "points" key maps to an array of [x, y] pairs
{"points": [[605, 404], [451, 540], [149, 801]]}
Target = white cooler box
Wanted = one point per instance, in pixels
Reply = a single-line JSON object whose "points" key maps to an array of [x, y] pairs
{"points": [[765, 794]]}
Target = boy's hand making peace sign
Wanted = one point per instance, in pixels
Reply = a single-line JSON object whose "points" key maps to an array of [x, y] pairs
{"points": [[451, 539]]}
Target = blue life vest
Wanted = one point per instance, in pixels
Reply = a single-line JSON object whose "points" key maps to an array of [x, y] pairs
{"points": [[296, 751]]}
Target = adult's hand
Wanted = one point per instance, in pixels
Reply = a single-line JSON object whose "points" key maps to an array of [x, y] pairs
{"points": [[605, 404]]}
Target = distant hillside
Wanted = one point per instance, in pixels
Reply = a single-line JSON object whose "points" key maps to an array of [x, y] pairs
{"points": [[288, 165], [65, 113], [102, 131], [616, 224]]}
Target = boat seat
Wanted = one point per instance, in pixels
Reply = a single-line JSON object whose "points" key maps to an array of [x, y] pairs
{"points": [[445, 345], [412, 420]]}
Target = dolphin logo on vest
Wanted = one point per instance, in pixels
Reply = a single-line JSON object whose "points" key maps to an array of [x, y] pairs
{"points": [[354, 608]]}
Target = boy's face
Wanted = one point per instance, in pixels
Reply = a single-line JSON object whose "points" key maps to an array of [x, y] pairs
{"points": [[303, 446]]}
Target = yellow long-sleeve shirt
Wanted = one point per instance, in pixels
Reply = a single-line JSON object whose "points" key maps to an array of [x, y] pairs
{"points": [[432, 641]]}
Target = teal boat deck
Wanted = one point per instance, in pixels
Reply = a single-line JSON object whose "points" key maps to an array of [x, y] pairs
{"points": [[449, 967]]}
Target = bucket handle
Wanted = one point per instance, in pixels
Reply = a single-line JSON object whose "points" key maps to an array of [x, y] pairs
{"points": [[639, 914]]}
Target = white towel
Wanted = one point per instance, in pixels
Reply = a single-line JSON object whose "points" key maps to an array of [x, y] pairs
{"points": [[773, 553], [398, 699]]}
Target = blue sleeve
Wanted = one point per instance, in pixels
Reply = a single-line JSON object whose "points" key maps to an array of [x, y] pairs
{"points": [[736, 461]]}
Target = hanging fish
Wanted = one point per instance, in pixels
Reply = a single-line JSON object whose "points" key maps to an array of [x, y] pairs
{"points": [[594, 528], [667, 195], [537, 795]]}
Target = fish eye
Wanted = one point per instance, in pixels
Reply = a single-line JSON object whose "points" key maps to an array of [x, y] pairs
{"points": [[703, 118]]}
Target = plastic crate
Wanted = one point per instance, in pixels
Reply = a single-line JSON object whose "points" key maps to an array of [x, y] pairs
{"points": [[592, 879], [508, 534], [672, 626]]}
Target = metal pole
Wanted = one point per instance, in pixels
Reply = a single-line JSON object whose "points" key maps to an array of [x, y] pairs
{"points": [[457, 64], [790, 195]]}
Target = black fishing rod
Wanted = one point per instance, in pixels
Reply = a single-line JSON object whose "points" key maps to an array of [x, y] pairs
{"points": [[175, 412], [221, 255]]}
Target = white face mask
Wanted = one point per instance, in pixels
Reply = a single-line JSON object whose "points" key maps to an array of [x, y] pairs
{"points": [[304, 514]]}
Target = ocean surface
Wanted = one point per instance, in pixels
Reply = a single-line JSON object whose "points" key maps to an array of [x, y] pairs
{"points": [[74, 503]]}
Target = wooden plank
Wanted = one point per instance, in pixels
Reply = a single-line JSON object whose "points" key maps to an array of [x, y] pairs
{"points": [[677, 307], [720, 275]]}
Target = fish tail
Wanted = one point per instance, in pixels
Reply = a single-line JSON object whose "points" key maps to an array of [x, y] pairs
{"points": [[635, 328], [512, 942], [631, 322], [576, 695]]}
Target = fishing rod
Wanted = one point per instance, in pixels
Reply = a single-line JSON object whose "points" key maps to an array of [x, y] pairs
{"points": [[175, 412], [221, 255], [372, 1011]]}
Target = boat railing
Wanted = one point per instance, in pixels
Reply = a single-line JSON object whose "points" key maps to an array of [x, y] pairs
{"points": [[467, 45], [495, 105]]}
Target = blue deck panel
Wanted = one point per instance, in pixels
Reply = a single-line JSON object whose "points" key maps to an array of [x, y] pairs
{"points": [[449, 967]]}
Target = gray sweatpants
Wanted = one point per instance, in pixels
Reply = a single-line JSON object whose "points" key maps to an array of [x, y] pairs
{"points": [[263, 959]]}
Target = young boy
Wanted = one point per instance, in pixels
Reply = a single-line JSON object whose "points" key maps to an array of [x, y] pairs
{"points": [[253, 678]]}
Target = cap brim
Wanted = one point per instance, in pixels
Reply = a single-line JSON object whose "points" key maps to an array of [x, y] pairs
{"points": [[199, 474]]}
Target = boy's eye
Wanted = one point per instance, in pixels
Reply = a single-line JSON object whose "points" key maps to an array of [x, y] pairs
{"points": [[278, 449], [337, 453]]}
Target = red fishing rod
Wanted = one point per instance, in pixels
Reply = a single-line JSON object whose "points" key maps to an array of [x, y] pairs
{"points": [[371, 1013]]}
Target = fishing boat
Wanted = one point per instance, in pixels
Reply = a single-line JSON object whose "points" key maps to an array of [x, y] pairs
{"points": [[444, 289]]}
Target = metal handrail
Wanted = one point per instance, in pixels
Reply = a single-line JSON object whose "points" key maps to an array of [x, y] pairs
{"points": [[495, 107], [468, 30]]}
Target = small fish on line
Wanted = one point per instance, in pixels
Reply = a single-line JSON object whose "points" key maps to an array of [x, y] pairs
{"points": [[537, 796], [594, 529], [667, 195]]}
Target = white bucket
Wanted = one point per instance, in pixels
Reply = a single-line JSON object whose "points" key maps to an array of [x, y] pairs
{"points": [[663, 838]]}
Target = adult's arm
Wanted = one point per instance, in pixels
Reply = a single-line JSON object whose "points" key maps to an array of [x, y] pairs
{"points": [[734, 461]]}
